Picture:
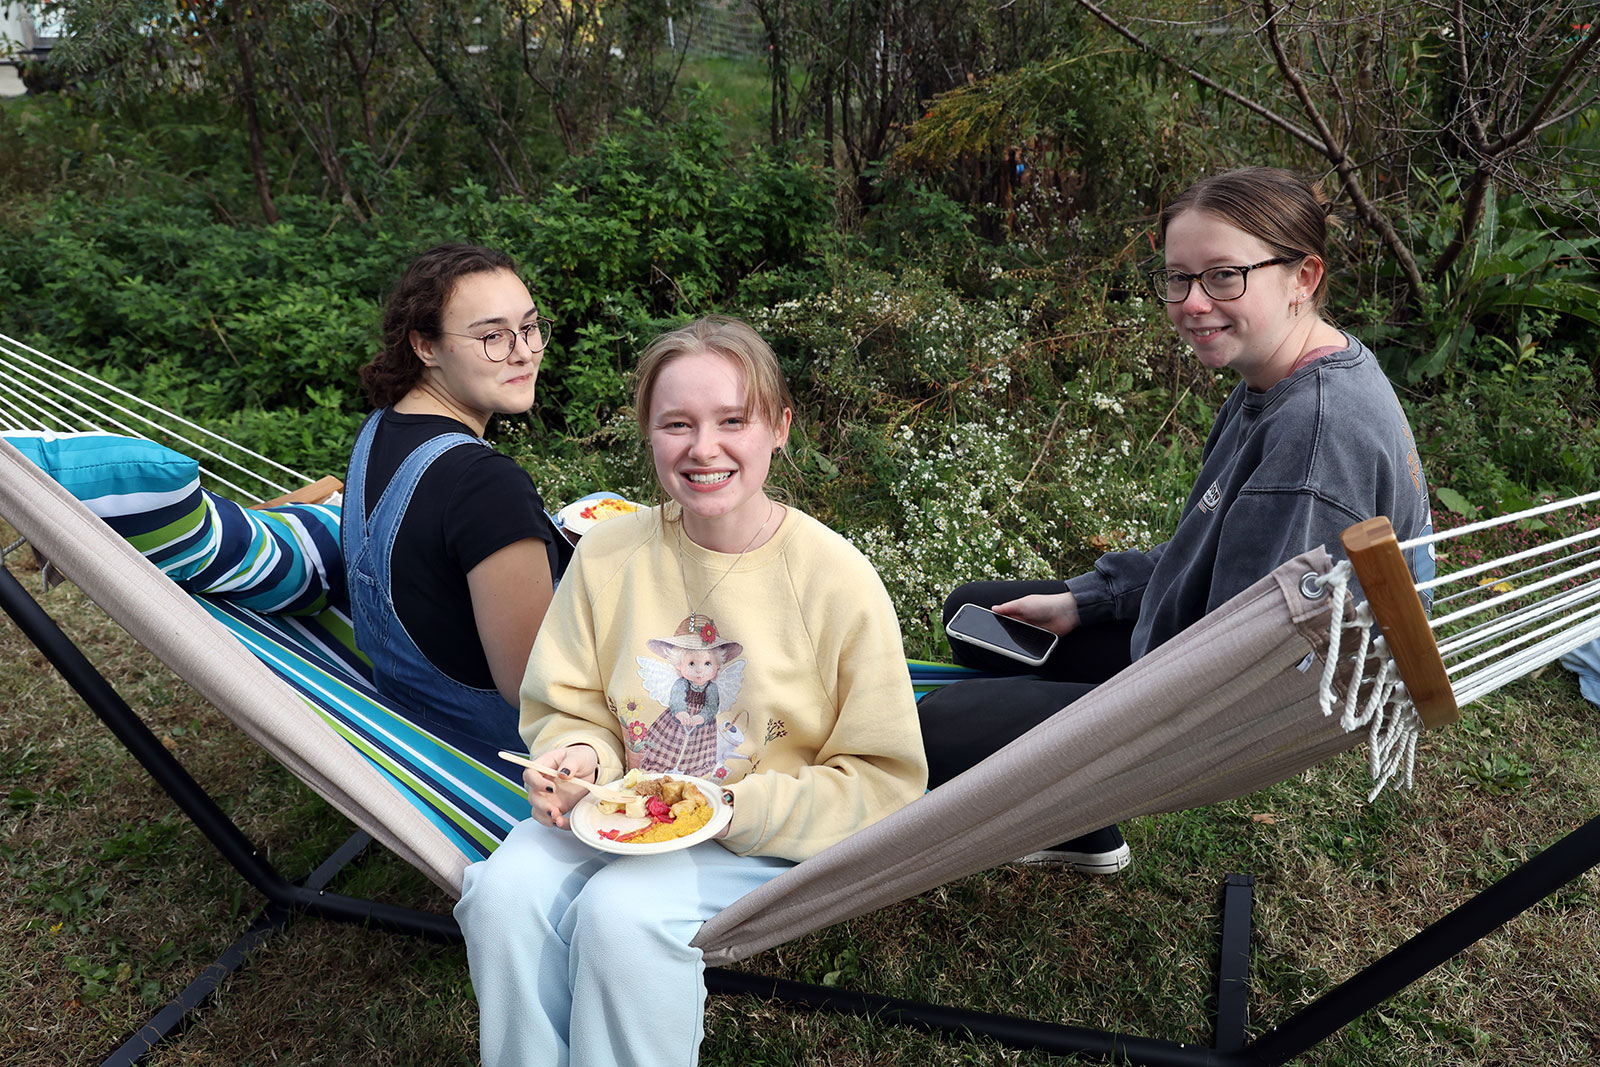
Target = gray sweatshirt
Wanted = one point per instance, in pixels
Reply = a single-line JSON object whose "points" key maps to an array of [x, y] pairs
{"points": [[1283, 471]]}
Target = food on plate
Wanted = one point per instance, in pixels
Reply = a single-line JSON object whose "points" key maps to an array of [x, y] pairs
{"points": [[674, 807], [607, 508], [581, 516]]}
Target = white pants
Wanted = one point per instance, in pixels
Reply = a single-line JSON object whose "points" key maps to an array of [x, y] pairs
{"points": [[583, 957]]}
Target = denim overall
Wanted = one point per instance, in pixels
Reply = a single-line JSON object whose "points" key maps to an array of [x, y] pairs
{"points": [[400, 669]]}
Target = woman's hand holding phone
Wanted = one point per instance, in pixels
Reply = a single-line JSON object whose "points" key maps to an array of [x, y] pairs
{"points": [[550, 800], [1056, 612]]}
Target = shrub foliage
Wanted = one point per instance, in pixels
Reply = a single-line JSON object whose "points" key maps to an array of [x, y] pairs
{"points": [[952, 277]]}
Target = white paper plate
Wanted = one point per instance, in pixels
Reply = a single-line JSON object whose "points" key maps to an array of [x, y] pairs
{"points": [[572, 518], [587, 822]]}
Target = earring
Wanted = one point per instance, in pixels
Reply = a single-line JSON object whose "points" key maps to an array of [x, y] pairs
{"points": [[1296, 307]]}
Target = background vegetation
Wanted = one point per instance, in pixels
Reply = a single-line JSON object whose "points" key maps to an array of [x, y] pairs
{"points": [[940, 216]]}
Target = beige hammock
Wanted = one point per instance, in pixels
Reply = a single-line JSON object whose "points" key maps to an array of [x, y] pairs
{"points": [[1246, 697]]}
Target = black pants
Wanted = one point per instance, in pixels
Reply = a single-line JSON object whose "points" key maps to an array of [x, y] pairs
{"points": [[966, 722]]}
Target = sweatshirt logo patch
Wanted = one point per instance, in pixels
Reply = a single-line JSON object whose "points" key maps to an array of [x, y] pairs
{"points": [[1212, 498]]}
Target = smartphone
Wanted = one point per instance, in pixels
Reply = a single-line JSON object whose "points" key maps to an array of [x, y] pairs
{"points": [[1021, 641]]}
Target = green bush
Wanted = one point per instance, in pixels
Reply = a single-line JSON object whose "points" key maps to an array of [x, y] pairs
{"points": [[958, 437], [168, 301], [1499, 434]]}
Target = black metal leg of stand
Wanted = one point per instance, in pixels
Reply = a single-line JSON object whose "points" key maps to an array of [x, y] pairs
{"points": [[961, 1023], [286, 899], [1233, 971], [187, 794], [170, 1019], [1478, 917], [1233, 965]]}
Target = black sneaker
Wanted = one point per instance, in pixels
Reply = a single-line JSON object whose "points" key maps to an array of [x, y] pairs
{"points": [[1101, 852]]}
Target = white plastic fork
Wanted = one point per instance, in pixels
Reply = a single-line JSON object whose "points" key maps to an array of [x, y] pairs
{"points": [[614, 796]]}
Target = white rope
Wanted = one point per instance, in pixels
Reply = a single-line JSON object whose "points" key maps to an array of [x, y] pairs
{"points": [[14, 418], [190, 445], [1503, 598], [1392, 722], [99, 383], [216, 476], [1490, 586], [122, 426], [1521, 618], [52, 382], [1477, 686], [1493, 564], [67, 413], [1489, 524], [1542, 631]]}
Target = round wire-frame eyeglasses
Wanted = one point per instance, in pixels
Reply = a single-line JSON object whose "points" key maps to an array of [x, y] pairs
{"points": [[499, 344]]}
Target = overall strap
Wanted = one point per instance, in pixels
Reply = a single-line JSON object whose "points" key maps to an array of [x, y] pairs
{"points": [[383, 524], [353, 515]]}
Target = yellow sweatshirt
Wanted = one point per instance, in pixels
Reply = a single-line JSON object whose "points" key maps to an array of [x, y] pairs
{"points": [[792, 688]]}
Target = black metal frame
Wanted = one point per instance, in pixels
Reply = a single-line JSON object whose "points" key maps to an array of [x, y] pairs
{"points": [[1507, 898]]}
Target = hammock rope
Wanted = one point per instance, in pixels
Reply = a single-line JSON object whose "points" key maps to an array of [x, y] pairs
{"points": [[1483, 568], [1391, 719], [82, 402], [1560, 605], [1499, 520], [1528, 624], [1513, 594]]}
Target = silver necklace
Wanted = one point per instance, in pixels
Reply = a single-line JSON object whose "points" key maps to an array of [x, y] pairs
{"points": [[694, 609]]}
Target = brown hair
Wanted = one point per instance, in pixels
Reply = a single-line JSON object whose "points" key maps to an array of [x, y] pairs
{"points": [[1282, 209], [766, 392], [417, 303]]}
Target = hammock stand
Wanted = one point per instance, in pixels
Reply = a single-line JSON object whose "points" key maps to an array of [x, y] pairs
{"points": [[288, 899], [1535, 879]]}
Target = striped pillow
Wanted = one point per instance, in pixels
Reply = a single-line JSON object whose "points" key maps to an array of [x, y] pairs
{"points": [[284, 560]]}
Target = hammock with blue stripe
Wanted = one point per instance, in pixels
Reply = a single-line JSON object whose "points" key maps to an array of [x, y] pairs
{"points": [[274, 578], [472, 796]]}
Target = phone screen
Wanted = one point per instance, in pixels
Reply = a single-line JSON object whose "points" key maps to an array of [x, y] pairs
{"points": [[986, 627]]}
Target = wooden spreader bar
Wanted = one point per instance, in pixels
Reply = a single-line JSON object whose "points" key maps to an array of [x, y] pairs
{"points": [[1381, 568], [315, 493]]}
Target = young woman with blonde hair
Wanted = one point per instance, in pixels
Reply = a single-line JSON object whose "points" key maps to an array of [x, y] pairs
{"points": [[724, 635]]}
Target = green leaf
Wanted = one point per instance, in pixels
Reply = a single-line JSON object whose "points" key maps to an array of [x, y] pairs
{"points": [[1455, 502]]}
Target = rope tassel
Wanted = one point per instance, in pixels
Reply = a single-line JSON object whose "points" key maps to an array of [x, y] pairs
{"points": [[1392, 722]]}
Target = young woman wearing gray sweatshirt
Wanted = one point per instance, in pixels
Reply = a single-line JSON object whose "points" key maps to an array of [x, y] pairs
{"points": [[1312, 440]]}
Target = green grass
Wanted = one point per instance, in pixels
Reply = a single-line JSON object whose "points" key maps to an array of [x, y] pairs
{"points": [[739, 89], [110, 902]]}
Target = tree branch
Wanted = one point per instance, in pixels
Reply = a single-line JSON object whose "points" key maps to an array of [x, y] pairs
{"points": [[1556, 87], [1471, 213], [1348, 174], [1575, 109], [1480, 137], [1286, 125], [1346, 112], [470, 108]]}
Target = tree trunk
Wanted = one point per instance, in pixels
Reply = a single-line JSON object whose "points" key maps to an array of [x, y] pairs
{"points": [[252, 121], [827, 120]]}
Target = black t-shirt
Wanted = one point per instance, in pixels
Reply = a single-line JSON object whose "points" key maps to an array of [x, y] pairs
{"points": [[471, 503]]}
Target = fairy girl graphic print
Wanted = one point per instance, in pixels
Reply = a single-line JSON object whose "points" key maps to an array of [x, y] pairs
{"points": [[694, 675]]}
